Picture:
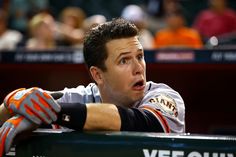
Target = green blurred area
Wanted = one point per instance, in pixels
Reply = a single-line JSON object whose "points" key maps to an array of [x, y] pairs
{"points": [[113, 8]]}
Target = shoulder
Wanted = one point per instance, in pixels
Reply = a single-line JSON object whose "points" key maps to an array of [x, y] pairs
{"points": [[205, 13], [163, 31], [12, 35], [81, 94], [190, 32], [230, 13], [162, 99], [79, 89], [13, 32], [159, 91], [157, 87]]}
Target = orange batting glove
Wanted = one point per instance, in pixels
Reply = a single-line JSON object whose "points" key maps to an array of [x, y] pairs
{"points": [[34, 104], [10, 129]]}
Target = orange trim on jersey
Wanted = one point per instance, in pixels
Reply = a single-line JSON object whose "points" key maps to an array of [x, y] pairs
{"points": [[159, 116]]}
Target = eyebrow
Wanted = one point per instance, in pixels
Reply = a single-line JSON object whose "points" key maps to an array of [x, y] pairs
{"points": [[122, 54], [125, 53]]}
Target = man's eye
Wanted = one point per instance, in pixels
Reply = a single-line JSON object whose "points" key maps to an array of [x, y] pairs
{"points": [[123, 61], [140, 57]]}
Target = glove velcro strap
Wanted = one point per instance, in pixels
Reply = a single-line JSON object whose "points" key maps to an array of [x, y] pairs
{"points": [[72, 115], [7, 98]]}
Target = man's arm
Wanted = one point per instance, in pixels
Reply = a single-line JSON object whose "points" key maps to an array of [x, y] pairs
{"points": [[102, 117], [21, 101], [4, 114]]}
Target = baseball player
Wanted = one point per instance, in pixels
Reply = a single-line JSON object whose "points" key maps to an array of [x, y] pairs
{"points": [[120, 99]]}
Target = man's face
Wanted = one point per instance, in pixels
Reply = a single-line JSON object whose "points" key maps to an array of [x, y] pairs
{"points": [[125, 78]]}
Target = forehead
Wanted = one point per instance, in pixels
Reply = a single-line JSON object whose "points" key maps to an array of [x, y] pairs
{"points": [[117, 46]]}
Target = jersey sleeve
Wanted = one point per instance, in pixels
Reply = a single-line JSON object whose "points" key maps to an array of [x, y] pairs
{"points": [[167, 106], [81, 94]]}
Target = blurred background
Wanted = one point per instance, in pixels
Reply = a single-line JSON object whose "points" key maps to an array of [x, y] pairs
{"points": [[189, 45], [198, 23]]}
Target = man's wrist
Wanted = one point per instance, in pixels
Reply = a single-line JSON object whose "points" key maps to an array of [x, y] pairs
{"points": [[6, 110], [72, 115], [4, 114]]}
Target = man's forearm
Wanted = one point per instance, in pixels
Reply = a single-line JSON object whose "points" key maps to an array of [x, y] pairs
{"points": [[4, 114], [102, 117], [92, 116]]}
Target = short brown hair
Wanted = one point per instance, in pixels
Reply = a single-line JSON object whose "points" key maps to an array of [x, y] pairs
{"points": [[94, 49]]}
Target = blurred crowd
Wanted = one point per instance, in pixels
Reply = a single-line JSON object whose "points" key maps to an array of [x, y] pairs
{"points": [[32, 25]]}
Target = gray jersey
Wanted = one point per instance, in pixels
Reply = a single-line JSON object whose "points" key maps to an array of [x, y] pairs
{"points": [[159, 99]]}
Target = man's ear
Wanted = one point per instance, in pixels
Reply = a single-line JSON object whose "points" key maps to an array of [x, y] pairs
{"points": [[96, 74]]}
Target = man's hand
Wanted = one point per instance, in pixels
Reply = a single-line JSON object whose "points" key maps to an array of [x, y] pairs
{"points": [[34, 104], [10, 129]]}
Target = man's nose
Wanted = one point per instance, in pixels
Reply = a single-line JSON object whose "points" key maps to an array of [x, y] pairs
{"points": [[137, 67]]}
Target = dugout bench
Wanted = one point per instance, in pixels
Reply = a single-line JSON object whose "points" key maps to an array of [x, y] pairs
{"points": [[57, 143]]}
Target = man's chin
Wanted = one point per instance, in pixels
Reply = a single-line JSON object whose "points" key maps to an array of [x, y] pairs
{"points": [[138, 96], [132, 101]]}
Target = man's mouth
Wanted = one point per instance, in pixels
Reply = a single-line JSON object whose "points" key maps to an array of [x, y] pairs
{"points": [[139, 85]]}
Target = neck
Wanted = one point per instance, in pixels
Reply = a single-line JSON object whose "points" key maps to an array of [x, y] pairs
{"points": [[107, 98]]}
